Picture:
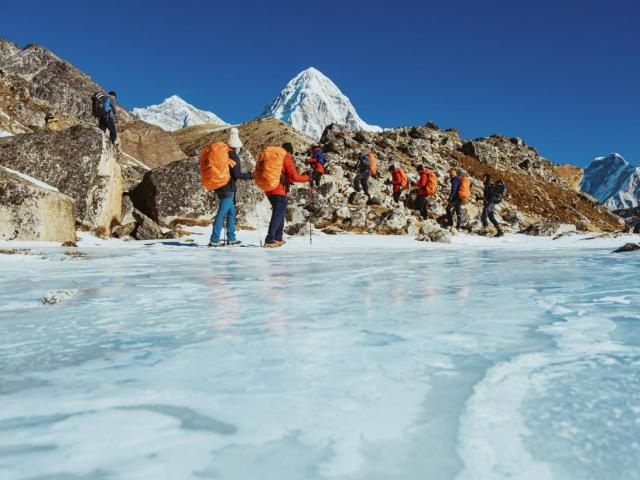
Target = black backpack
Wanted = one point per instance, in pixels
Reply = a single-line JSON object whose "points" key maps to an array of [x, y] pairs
{"points": [[499, 191], [97, 105]]}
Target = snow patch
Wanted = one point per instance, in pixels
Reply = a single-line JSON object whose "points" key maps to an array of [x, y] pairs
{"points": [[35, 181]]}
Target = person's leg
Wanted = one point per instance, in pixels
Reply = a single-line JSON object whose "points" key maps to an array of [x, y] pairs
{"points": [[111, 125], [459, 213], [231, 219], [365, 185], [316, 178], [491, 213], [223, 209], [271, 233], [357, 183], [102, 124], [281, 217], [449, 209], [420, 201], [483, 217]]}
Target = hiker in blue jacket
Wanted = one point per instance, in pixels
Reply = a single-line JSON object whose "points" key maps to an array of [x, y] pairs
{"points": [[227, 196], [108, 120]]}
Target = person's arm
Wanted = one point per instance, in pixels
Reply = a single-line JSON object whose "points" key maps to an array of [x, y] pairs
{"points": [[291, 173], [422, 182], [236, 171], [311, 160]]}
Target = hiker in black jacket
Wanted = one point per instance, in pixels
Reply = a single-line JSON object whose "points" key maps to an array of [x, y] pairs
{"points": [[493, 194], [361, 180]]}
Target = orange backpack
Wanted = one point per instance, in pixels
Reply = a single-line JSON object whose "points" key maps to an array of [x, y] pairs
{"points": [[404, 180], [432, 182], [373, 163], [464, 191], [269, 168], [214, 166]]}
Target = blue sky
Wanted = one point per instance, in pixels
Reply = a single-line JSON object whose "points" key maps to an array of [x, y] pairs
{"points": [[563, 75]]}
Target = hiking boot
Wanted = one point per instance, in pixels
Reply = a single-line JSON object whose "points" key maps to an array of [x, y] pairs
{"points": [[232, 243], [216, 244], [499, 233], [280, 242], [272, 245]]}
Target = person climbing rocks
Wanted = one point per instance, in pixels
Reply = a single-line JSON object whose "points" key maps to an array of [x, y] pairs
{"points": [[317, 161], [426, 185], [361, 180], [460, 193], [221, 156], [107, 121], [399, 181], [493, 194], [278, 196]]}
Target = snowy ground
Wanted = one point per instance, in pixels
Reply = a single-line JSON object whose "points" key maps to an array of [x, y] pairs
{"points": [[356, 357]]}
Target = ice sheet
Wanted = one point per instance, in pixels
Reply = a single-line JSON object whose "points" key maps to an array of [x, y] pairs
{"points": [[353, 358]]}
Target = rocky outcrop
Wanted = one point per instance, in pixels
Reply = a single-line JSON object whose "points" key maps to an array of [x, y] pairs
{"points": [[150, 144], [548, 228], [571, 174], [65, 88], [20, 112], [29, 211], [80, 163], [173, 194], [628, 247]]}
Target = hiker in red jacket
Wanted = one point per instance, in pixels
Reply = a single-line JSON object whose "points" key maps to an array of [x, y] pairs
{"points": [[278, 197], [421, 185], [318, 161], [399, 182]]}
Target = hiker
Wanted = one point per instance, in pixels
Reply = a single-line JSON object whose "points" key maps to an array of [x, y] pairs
{"points": [[275, 171], [460, 193], [399, 181], [318, 161], [426, 185], [361, 180], [107, 114], [493, 194], [220, 168]]}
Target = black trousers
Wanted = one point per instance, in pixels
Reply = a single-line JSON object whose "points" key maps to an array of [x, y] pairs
{"points": [[315, 178], [455, 204], [107, 123], [361, 183], [421, 205], [489, 212], [278, 213]]}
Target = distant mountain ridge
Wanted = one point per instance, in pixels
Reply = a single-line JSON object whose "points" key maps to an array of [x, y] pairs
{"points": [[174, 113], [613, 181], [311, 101]]}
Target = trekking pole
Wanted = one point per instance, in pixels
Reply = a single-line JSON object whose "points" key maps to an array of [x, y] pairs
{"points": [[309, 220], [255, 203]]}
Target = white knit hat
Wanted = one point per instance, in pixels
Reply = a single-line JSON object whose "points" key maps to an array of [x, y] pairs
{"points": [[234, 139]]}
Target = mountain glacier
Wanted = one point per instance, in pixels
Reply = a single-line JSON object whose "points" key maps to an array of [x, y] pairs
{"points": [[174, 113], [613, 182], [311, 101]]}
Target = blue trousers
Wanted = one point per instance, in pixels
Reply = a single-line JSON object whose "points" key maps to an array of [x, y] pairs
{"points": [[109, 124], [278, 212], [226, 210]]}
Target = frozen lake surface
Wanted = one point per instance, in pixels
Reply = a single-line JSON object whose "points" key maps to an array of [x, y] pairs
{"points": [[398, 360]]}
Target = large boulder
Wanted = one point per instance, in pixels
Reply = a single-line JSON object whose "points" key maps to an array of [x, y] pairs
{"points": [[150, 144], [486, 153], [173, 194], [549, 228], [80, 163], [32, 211]]}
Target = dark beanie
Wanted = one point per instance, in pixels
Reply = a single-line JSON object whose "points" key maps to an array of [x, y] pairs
{"points": [[288, 147], [420, 168]]}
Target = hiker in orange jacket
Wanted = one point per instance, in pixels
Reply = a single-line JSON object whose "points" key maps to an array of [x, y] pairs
{"points": [[421, 185], [278, 197], [318, 161], [398, 181]]}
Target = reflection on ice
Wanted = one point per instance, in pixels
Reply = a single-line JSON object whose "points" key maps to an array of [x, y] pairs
{"points": [[330, 363]]}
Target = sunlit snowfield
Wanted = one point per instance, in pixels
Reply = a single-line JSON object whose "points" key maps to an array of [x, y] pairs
{"points": [[395, 360]]}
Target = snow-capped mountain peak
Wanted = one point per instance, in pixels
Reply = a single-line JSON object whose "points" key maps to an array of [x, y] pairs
{"points": [[174, 113], [613, 182], [311, 101]]}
